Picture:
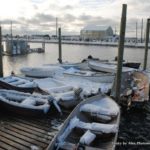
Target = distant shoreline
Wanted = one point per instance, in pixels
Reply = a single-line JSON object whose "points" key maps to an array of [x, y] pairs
{"points": [[94, 43]]}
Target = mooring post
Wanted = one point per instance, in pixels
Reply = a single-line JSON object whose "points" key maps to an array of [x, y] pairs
{"points": [[43, 45], [60, 49], [1, 54], [120, 51], [146, 44]]}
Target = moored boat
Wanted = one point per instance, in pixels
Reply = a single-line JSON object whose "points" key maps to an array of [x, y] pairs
{"points": [[18, 84], [90, 75], [106, 67], [42, 72], [24, 103], [92, 125]]}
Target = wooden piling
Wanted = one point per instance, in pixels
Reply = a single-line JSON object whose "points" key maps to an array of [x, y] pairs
{"points": [[56, 26], [120, 51], [142, 31], [60, 48], [136, 32], [43, 45], [1, 54], [146, 44]]}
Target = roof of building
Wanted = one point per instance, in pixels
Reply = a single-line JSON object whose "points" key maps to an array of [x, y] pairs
{"points": [[96, 28]]}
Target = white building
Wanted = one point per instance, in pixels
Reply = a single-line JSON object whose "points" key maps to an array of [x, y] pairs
{"points": [[96, 32]]}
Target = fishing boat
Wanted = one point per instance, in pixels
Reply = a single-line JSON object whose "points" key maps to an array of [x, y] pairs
{"points": [[90, 75], [134, 90], [18, 84], [42, 72], [106, 67], [24, 103], [93, 125]]}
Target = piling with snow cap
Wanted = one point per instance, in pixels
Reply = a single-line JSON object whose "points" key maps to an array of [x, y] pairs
{"points": [[146, 43], [60, 48], [1, 54], [120, 51]]}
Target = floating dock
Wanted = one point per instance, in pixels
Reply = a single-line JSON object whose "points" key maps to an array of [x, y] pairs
{"points": [[22, 133]]}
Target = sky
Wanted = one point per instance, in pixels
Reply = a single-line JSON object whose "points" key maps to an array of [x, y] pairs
{"points": [[39, 16]]}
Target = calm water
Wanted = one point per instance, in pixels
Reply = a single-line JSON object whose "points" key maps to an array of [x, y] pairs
{"points": [[135, 125], [71, 53]]}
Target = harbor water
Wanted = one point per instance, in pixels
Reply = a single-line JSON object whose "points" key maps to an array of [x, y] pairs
{"points": [[135, 125], [70, 53]]}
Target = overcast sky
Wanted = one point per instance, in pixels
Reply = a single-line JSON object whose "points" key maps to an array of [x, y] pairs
{"points": [[38, 16]]}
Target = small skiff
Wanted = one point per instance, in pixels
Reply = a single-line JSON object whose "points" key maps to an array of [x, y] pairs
{"points": [[24, 103], [18, 84], [93, 125], [90, 75], [66, 96], [42, 72], [105, 67]]}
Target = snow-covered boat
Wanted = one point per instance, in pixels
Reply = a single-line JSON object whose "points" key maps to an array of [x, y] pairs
{"points": [[93, 125], [106, 67], [66, 96], [42, 72], [90, 75], [18, 84], [24, 103], [67, 65]]}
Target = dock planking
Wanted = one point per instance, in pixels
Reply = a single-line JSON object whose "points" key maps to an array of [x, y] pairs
{"points": [[22, 133]]}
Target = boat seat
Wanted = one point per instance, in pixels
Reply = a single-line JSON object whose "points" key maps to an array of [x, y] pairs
{"points": [[99, 110], [28, 101], [98, 128]]}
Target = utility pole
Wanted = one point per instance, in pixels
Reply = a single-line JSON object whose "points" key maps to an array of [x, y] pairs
{"points": [[120, 52], [11, 35], [142, 31], [1, 54], [56, 26], [146, 43], [136, 32], [60, 48]]}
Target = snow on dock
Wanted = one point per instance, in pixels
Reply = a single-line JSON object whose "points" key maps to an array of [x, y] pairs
{"points": [[19, 133]]}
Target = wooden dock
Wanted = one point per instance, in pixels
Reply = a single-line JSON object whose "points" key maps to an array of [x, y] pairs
{"points": [[22, 133]]}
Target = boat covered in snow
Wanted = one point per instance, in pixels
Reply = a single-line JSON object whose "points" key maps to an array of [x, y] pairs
{"points": [[106, 67], [92, 125], [18, 84], [90, 75], [42, 72], [25, 103], [134, 89]]}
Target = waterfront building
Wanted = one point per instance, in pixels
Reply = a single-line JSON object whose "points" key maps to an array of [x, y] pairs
{"points": [[96, 32], [16, 47]]}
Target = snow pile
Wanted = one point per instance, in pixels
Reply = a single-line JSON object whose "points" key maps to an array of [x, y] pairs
{"points": [[72, 124], [98, 127], [48, 83], [87, 138], [105, 106], [29, 101], [74, 71], [88, 86]]}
